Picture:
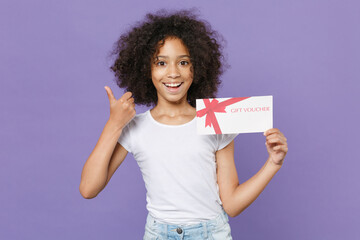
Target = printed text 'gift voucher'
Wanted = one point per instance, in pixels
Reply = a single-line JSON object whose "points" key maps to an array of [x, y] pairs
{"points": [[234, 115]]}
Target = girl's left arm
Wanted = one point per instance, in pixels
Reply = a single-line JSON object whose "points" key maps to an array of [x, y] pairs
{"points": [[237, 197]]}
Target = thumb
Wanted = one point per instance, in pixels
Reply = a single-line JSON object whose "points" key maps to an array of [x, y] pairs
{"points": [[110, 94]]}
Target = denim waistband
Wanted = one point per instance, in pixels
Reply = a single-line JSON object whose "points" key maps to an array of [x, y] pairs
{"points": [[206, 225]]}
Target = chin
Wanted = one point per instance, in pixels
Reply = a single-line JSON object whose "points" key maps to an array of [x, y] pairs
{"points": [[175, 99]]}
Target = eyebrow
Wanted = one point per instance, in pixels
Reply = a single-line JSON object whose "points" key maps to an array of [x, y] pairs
{"points": [[181, 56]]}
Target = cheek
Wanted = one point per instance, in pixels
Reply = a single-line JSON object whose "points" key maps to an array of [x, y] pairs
{"points": [[157, 74], [154, 77], [191, 72], [191, 77], [156, 83], [188, 73]]}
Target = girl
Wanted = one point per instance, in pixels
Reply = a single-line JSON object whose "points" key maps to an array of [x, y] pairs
{"points": [[168, 61]]}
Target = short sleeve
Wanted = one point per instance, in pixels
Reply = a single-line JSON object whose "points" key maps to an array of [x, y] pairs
{"points": [[125, 139], [224, 140]]}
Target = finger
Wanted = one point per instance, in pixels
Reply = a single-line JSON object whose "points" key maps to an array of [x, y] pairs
{"points": [[276, 136], [276, 140], [125, 97], [270, 145], [271, 131], [281, 147], [110, 94], [131, 100]]}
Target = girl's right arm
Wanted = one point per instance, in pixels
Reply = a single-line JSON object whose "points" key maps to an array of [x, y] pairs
{"points": [[107, 154]]}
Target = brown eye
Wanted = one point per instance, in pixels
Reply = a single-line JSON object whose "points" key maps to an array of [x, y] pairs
{"points": [[184, 62], [161, 63]]}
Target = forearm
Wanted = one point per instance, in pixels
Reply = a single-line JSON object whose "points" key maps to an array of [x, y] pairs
{"points": [[95, 170], [246, 193]]}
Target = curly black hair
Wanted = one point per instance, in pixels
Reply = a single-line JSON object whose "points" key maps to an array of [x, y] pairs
{"points": [[134, 50]]}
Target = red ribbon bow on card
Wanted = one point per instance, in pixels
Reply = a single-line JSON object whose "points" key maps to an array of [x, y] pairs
{"points": [[215, 106]]}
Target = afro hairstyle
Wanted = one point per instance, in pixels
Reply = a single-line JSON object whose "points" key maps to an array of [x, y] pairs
{"points": [[134, 50]]}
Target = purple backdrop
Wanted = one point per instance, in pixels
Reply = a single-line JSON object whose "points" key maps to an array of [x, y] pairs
{"points": [[53, 68]]}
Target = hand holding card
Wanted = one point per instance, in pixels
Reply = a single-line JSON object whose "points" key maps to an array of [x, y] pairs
{"points": [[276, 145]]}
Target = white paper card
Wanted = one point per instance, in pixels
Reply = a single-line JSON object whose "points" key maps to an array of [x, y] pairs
{"points": [[234, 115]]}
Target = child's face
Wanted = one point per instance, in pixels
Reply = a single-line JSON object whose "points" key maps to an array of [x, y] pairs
{"points": [[171, 71]]}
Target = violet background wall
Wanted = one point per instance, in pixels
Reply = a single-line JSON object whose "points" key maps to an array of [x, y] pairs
{"points": [[53, 68]]}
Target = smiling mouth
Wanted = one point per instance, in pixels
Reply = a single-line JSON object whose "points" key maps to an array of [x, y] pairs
{"points": [[173, 85]]}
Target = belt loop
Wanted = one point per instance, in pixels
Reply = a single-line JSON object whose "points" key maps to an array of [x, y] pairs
{"points": [[205, 230], [166, 231]]}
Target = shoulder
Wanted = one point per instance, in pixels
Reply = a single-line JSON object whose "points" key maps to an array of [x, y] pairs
{"points": [[224, 139], [134, 128], [137, 121]]}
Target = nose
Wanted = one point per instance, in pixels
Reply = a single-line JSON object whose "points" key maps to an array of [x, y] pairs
{"points": [[173, 71]]}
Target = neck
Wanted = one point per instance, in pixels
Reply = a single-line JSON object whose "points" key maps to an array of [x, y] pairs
{"points": [[173, 109]]}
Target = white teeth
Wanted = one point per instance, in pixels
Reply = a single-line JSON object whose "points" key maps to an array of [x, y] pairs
{"points": [[172, 84]]}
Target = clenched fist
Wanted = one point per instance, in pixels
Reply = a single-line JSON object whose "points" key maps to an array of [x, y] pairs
{"points": [[121, 110]]}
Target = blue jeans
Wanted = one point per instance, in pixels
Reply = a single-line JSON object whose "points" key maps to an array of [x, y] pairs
{"points": [[214, 229]]}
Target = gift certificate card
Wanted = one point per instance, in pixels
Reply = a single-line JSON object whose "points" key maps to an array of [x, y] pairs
{"points": [[234, 115]]}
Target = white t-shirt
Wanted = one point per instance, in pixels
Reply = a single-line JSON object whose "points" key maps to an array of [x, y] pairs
{"points": [[178, 167]]}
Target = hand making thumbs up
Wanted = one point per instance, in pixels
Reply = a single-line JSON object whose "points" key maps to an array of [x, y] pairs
{"points": [[121, 110]]}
